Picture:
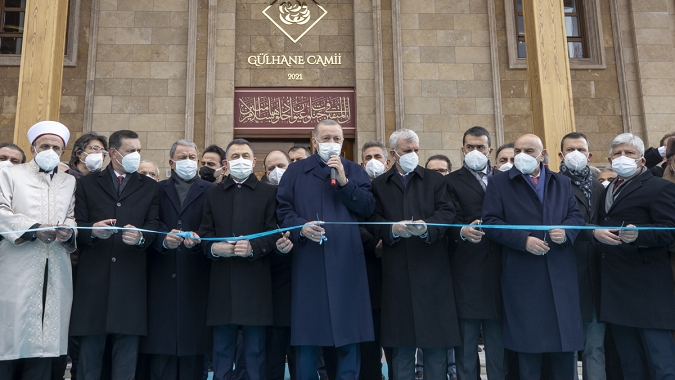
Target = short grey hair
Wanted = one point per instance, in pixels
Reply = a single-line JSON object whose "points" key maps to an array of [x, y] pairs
{"points": [[629, 139], [405, 134], [324, 122], [183, 143], [374, 144]]}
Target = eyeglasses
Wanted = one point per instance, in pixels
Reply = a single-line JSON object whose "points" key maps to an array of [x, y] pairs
{"points": [[98, 149]]}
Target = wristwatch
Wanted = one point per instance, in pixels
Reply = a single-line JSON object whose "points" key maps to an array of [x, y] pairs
{"points": [[141, 241]]}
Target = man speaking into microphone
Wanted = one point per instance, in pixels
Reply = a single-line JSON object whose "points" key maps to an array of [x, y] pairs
{"points": [[330, 303]]}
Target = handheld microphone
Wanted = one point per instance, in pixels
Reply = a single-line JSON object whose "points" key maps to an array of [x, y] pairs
{"points": [[333, 171]]}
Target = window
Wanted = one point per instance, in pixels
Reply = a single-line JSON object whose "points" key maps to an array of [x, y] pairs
{"points": [[584, 34], [12, 18], [11, 25]]}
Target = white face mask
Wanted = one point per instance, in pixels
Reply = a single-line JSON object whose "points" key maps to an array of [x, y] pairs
{"points": [[241, 168], [5, 164], [186, 169], [576, 161], [275, 175], [129, 162], [506, 167], [47, 160], [624, 166], [408, 161], [605, 183], [327, 147], [93, 161], [526, 163], [475, 160], [374, 168]]}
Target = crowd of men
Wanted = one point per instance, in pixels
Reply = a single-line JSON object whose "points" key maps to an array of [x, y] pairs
{"points": [[326, 262]]}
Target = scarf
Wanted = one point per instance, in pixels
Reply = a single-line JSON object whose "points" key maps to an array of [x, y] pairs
{"points": [[478, 174], [582, 179]]}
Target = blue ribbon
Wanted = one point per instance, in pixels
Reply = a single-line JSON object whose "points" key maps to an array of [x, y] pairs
{"points": [[187, 234]]}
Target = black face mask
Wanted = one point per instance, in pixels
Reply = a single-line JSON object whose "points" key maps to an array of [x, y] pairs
{"points": [[207, 174]]}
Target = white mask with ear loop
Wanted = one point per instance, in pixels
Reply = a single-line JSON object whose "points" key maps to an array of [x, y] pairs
{"points": [[93, 161], [47, 160], [506, 167], [275, 175], [5, 164]]}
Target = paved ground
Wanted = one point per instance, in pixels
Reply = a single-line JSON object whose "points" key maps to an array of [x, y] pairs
{"points": [[481, 356]]}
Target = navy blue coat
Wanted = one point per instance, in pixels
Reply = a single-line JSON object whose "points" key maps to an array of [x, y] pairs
{"points": [[330, 304], [540, 293], [178, 279]]}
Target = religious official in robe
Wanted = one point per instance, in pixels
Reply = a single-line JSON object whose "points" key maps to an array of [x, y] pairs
{"points": [[330, 302], [539, 274], [36, 287]]}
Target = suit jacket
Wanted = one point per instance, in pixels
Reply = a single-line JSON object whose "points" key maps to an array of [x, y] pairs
{"points": [[418, 303], [330, 305], [110, 290], [637, 281], [541, 293], [476, 267], [177, 279], [585, 249], [240, 290]]}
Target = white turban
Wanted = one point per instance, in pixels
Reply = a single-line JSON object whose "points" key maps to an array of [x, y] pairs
{"points": [[48, 128]]}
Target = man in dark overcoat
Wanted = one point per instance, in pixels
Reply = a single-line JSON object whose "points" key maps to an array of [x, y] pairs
{"points": [[574, 154], [476, 265], [539, 275], [110, 297], [330, 302], [418, 304], [637, 296], [178, 274], [240, 290]]}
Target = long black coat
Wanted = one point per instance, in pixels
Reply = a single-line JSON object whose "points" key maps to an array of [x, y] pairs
{"points": [[588, 258], [418, 303], [240, 290], [541, 293], [177, 279], [637, 281], [476, 267], [110, 294], [373, 267]]}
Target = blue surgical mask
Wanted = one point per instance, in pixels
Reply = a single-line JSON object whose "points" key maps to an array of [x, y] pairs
{"points": [[186, 169], [408, 161], [526, 163]]}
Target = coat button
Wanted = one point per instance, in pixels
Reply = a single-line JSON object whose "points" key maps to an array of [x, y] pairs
{"points": [[180, 222], [604, 255], [178, 249], [354, 198], [114, 259], [238, 186], [173, 275], [606, 218], [119, 204]]}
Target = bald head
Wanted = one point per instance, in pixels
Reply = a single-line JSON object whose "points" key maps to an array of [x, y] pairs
{"points": [[532, 146], [529, 140]]}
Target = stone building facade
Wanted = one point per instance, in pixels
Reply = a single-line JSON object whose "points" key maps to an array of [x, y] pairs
{"points": [[172, 69]]}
